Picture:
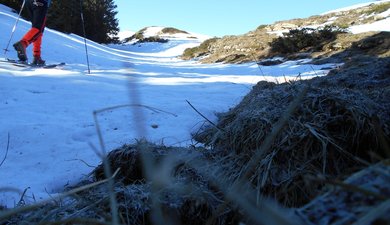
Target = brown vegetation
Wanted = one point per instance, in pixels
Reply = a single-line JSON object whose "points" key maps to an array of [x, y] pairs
{"points": [[254, 46]]}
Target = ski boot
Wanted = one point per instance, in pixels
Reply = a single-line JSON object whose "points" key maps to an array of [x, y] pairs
{"points": [[20, 48], [38, 61]]}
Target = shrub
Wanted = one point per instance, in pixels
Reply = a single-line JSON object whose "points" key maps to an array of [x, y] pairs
{"points": [[142, 39], [343, 26], [137, 36], [171, 30], [200, 50], [261, 27], [153, 39], [378, 8], [305, 39]]}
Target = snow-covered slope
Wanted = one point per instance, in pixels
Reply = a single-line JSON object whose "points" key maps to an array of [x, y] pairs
{"points": [[381, 23], [355, 24], [170, 33], [46, 115], [125, 34], [355, 6]]}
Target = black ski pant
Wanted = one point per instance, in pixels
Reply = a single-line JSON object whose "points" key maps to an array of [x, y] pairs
{"points": [[37, 10]]}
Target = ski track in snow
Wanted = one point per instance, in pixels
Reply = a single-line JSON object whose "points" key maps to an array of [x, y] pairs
{"points": [[48, 113]]}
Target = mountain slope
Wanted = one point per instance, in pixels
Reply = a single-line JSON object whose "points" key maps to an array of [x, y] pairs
{"points": [[255, 46]]}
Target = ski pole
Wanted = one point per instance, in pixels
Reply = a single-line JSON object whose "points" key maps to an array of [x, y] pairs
{"points": [[85, 39], [14, 28]]}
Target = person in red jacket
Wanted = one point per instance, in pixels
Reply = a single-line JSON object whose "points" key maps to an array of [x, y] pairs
{"points": [[38, 10]]}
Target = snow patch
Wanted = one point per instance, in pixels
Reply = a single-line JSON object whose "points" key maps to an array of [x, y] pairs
{"points": [[381, 25], [125, 34], [157, 31]]}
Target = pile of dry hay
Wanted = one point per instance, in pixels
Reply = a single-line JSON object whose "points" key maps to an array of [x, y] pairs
{"points": [[182, 194], [340, 125]]}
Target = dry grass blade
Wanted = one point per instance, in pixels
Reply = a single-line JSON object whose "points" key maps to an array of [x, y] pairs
{"points": [[156, 214], [108, 173], [6, 150], [193, 107], [241, 194], [384, 141], [374, 214], [149, 170], [352, 188], [263, 212], [153, 109], [8, 213], [83, 221], [107, 167]]}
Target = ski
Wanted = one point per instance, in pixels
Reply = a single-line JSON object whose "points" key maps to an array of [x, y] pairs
{"points": [[29, 65]]}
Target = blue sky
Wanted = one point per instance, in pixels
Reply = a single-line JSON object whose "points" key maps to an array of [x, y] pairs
{"points": [[216, 17]]}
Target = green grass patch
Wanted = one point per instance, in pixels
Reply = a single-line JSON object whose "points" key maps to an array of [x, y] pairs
{"points": [[200, 50]]}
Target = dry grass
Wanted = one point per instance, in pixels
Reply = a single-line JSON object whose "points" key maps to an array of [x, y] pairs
{"points": [[363, 198], [191, 186], [335, 131], [184, 194]]}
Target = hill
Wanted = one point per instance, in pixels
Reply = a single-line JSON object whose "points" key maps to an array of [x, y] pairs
{"points": [[258, 44], [162, 35]]}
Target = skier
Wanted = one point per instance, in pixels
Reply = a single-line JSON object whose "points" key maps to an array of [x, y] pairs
{"points": [[38, 10]]}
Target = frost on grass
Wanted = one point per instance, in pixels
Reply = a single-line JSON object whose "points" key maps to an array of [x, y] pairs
{"points": [[180, 191], [341, 126], [363, 198]]}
